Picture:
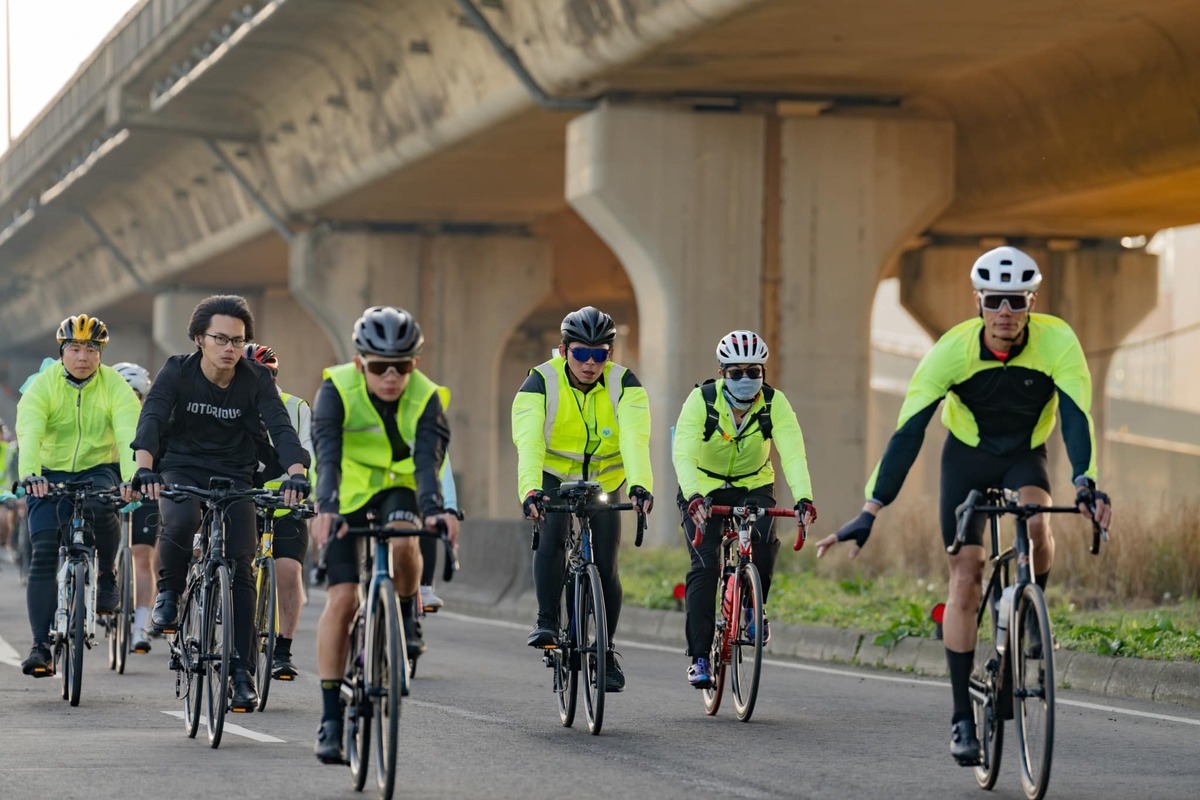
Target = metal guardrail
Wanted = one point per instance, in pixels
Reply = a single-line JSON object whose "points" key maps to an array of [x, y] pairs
{"points": [[85, 92]]}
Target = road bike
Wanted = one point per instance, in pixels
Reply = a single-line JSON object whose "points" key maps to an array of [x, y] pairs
{"points": [[738, 635], [202, 641], [118, 626], [582, 643], [266, 591], [1013, 675], [377, 668]]}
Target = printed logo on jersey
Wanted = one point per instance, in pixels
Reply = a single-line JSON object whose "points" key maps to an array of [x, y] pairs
{"points": [[209, 410]]}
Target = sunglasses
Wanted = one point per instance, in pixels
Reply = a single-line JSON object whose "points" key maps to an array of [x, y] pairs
{"points": [[597, 354], [380, 366], [1015, 302], [737, 373]]}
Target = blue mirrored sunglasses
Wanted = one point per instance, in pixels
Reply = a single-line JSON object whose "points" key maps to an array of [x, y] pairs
{"points": [[597, 354]]}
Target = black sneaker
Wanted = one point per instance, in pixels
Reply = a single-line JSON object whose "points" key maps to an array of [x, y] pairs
{"points": [[40, 663], [413, 641], [106, 594], [964, 744], [614, 678], [166, 609], [543, 634], [282, 668], [329, 743], [245, 694]]}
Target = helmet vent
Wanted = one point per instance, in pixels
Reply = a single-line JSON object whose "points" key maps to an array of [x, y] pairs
{"points": [[1027, 276], [986, 274]]}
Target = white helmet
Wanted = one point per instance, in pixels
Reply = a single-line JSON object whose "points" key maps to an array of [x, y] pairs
{"points": [[741, 347], [1005, 269], [137, 376]]}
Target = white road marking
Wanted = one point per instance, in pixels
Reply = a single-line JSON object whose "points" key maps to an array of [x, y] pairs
{"points": [[8, 655], [870, 676], [237, 730]]}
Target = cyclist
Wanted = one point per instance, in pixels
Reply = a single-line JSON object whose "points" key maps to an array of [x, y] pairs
{"points": [[74, 422], [7, 444], [722, 452], [291, 532], [146, 522], [380, 433], [579, 416], [1002, 374], [204, 418]]}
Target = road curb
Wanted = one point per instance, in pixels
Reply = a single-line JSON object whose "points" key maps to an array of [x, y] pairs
{"points": [[1174, 682]]}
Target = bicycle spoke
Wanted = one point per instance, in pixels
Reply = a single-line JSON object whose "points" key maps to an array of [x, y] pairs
{"points": [[1033, 691]]}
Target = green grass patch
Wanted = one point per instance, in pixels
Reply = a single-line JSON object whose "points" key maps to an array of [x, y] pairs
{"points": [[895, 608]]}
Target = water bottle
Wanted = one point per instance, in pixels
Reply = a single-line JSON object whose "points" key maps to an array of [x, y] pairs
{"points": [[727, 598], [196, 545], [1002, 618]]}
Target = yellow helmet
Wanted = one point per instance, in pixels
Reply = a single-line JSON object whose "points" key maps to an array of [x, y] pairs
{"points": [[82, 328]]}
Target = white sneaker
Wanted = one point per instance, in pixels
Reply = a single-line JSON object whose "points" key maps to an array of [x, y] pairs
{"points": [[430, 602]]}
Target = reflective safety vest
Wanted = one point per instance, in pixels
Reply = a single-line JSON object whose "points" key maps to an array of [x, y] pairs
{"points": [[569, 443], [293, 404], [367, 466]]}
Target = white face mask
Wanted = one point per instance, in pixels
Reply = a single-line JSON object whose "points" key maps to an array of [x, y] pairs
{"points": [[744, 390]]}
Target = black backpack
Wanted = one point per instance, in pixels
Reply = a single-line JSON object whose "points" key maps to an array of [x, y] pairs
{"points": [[708, 390]]}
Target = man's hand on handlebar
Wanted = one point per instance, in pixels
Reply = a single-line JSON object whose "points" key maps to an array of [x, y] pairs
{"points": [[532, 506], [698, 510], [322, 525], [1088, 497], [806, 512], [447, 518], [36, 485], [642, 498], [295, 488]]}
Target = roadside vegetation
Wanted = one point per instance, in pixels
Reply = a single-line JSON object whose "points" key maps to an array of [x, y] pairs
{"points": [[1138, 598]]}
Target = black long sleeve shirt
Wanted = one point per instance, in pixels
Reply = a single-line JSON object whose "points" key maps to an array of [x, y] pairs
{"points": [[428, 453], [189, 421]]}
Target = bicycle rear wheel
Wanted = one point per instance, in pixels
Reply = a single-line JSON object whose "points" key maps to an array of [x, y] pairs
{"points": [[385, 668], [593, 645], [358, 707], [565, 658], [76, 635], [719, 653], [1033, 690], [266, 627], [188, 650], [746, 659], [218, 651], [121, 622]]}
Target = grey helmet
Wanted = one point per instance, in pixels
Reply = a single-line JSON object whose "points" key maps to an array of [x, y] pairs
{"points": [[137, 376], [388, 331], [589, 325]]}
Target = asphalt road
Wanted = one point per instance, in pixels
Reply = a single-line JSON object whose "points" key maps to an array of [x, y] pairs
{"points": [[481, 723]]}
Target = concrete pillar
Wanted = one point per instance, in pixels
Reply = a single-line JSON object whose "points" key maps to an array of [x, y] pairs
{"points": [[172, 313], [469, 294], [853, 192], [678, 198], [299, 342]]}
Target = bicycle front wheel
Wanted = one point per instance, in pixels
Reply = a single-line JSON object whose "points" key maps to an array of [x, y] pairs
{"points": [[121, 622], [564, 659], [385, 665], [217, 652], [746, 660], [1033, 690], [187, 653], [266, 626], [76, 635], [358, 707], [593, 645]]}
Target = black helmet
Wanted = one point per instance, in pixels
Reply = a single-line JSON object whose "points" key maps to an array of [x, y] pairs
{"points": [[589, 325], [388, 331]]}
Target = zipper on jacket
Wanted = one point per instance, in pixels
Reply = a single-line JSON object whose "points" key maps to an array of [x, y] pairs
{"points": [[78, 427]]}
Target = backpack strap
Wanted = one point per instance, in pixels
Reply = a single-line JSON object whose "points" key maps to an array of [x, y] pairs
{"points": [[708, 390], [764, 413]]}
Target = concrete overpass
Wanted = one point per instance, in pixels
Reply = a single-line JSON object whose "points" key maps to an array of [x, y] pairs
{"points": [[691, 165]]}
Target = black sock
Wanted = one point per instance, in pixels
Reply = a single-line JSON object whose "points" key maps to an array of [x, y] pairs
{"points": [[406, 607], [1040, 580], [331, 699], [283, 646], [960, 665]]}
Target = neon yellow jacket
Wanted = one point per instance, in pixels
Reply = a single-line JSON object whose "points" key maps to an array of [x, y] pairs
{"points": [[603, 435], [64, 427], [703, 467], [367, 466]]}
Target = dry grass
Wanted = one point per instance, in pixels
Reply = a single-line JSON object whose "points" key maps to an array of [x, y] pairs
{"points": [[1152, 556]]}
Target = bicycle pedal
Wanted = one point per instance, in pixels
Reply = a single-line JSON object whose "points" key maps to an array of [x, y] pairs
{"points": [[553, 646], [430, 609]]}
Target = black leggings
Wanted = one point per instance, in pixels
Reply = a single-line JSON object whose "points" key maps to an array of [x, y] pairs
{"points": [[180, 523], [429, 552], [702, 578], [550, 560]]}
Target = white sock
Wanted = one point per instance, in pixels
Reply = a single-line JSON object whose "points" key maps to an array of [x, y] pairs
{"points": [[140, 615]]}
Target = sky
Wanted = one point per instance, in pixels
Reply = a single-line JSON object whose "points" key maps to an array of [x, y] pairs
{"points": [[50, 39]]}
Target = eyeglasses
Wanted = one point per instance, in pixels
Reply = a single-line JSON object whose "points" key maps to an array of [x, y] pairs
{"points": [[597, 354], [380, 366], [224, 341], [1015, 302], [737, 373]]}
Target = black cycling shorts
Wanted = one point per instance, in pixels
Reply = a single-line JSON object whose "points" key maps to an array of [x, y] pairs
{"points": [[147, 521], [291, 537], [965, 468], [344, 556]]}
